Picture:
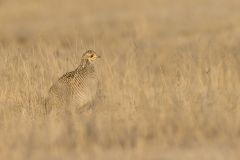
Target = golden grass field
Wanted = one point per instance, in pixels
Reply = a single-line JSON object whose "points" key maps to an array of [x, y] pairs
{"points": [[169, 79]]}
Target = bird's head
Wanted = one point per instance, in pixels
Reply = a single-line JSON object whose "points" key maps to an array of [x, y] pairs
{"points": [[90, 56]]}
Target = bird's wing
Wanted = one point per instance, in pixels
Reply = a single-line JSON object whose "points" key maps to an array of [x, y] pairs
{"points": [[67, 77], [61, 87]]}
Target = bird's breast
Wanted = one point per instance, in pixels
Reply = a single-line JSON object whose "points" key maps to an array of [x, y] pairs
{"points": [[84, 89]]}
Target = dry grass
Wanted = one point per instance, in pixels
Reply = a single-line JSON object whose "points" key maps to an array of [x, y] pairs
{"points": [[170, 79]]}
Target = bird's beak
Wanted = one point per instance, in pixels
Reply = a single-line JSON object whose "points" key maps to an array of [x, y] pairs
{"points": [[98, 56]]}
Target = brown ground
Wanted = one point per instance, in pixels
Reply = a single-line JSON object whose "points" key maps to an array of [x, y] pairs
{"points": [[170, 79]]}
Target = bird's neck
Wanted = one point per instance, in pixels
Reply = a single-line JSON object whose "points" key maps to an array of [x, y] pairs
{"points": [[85, 64]]}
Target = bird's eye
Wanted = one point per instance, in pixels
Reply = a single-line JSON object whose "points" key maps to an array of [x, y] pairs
{"points": [[92, 56]]}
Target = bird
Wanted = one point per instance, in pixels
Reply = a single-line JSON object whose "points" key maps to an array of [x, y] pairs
{"points": [[75, 89]]}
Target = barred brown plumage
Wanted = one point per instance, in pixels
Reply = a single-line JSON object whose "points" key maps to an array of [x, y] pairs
{"points": [[76, 88]]}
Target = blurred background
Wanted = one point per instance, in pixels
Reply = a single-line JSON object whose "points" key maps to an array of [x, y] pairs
{"points": [[169, 78]]}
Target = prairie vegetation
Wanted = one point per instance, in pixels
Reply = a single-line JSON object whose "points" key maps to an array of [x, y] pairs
{"points": [[169, 79]]}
